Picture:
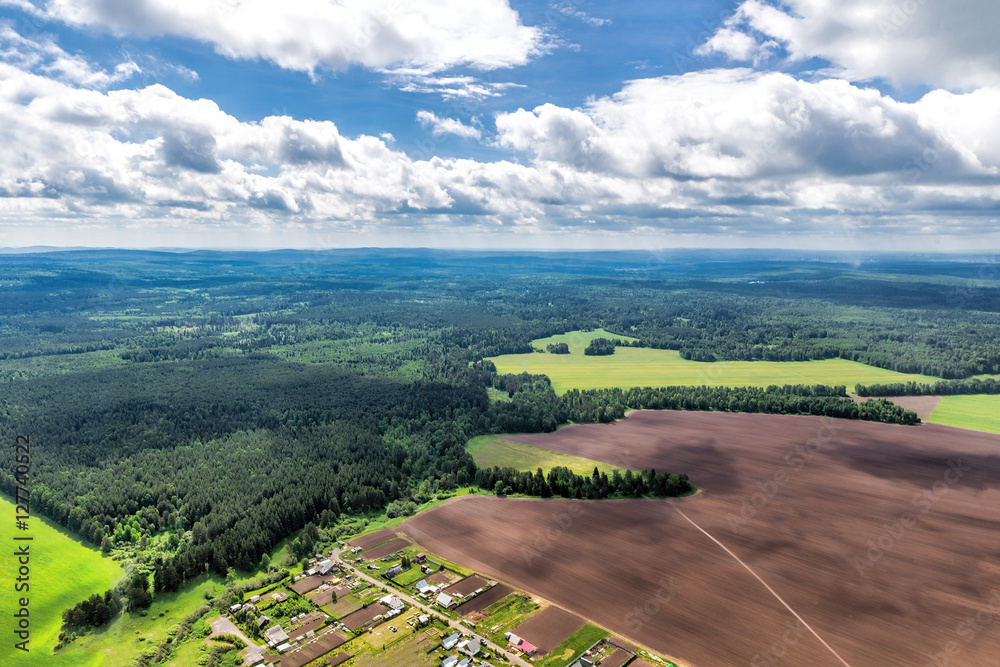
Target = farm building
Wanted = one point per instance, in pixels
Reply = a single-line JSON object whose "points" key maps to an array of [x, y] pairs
{"points": [[445, 601], [423, 620], [423, 586], [420, 558], [275, 635], [262, 620], [324, 566], [393, 571]]}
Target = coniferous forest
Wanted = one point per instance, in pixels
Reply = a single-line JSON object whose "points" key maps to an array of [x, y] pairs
{"points": [[227, 400]]}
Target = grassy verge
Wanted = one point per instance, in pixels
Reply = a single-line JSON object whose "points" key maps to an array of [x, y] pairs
{"points": [[63, 571]]}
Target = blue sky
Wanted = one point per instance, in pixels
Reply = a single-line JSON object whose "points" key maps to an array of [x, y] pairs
{"points": [[855, 124]]}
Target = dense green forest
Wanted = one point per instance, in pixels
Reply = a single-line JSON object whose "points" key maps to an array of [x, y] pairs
{"points": [[194, 409]]}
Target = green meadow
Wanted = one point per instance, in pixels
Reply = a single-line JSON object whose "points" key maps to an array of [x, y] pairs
{"points": [[491, 450], [125, 639], [978, 411], [64, 571], [641, 367]]}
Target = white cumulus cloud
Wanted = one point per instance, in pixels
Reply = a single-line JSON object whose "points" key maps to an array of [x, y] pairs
{"points": [[307, 35], [441, 126], [950, 45]]}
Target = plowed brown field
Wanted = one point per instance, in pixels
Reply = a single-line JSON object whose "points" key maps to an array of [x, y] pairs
{"points": [[883, 539]]}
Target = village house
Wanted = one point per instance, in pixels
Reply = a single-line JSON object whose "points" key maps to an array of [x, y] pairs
{"points": [[469, 647], [445, 601], [392, 602], [275, 636]]}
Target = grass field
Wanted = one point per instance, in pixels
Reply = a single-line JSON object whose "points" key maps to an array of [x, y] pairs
{"points": [[491, 450], [641, 367], [411, 652], [574, 646], [64, 571], [578, 340], [979, 411], [128, 636]]}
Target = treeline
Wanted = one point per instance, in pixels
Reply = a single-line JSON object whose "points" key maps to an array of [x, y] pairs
{"points": [[939, 388], [131, 594], [606, 405], [563, 482]]}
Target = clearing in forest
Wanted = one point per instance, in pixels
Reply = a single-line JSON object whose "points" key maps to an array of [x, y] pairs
{"points": [[493, 450], [641, 367]]}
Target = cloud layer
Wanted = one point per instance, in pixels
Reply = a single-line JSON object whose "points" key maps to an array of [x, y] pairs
{"points": [[308, 35], [951, 45], [736, 152]]}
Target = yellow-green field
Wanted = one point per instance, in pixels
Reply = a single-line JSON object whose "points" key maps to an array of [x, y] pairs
{"points": [[641, 367], [491, 450], [64, 571], [980, 412], [578, 340]]}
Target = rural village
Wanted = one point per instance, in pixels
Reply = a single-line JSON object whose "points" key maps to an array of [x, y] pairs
{"points": [[377, 600]]}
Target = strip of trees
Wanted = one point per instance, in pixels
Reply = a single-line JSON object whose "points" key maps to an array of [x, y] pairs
{"points": [[606, 405], [939, 388], [563, 482]]}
